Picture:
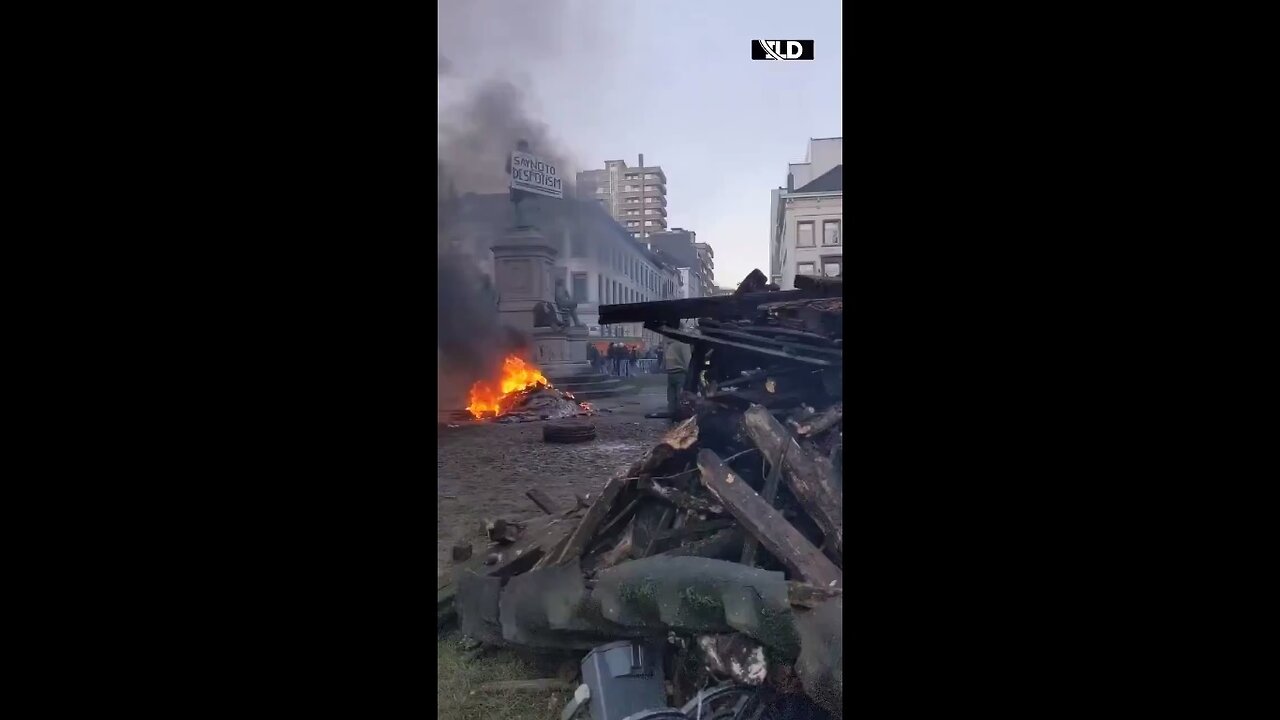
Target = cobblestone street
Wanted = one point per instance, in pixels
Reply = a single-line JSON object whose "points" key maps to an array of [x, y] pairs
{"points": [[484, 469]]}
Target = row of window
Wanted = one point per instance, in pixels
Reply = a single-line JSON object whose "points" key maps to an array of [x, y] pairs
{"points": [[636, 176], [608, 292], [639, 271], [831, 267], [830, 233]]}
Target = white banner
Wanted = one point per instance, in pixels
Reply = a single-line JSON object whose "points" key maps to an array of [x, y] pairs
{"points": [[533, 174]]}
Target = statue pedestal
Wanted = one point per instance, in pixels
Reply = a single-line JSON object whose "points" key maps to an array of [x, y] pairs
{"points": [[576, 343], [550, 346], [522, 268], [559, 346]]}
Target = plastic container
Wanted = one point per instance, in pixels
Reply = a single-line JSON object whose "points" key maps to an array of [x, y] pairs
{"points": [[624, 677]]}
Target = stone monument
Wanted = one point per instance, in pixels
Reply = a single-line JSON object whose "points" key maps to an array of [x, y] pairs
{"points": [[524, 268]]}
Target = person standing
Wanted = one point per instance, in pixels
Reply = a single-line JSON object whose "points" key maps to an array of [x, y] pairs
{"points": [[593, 357], [675, 359]]}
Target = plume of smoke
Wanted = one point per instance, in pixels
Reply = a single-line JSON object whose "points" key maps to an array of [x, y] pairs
{"points": [[477, 130]]}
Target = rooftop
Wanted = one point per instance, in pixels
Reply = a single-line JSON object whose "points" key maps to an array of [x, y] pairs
{"points": [[830, 181]]}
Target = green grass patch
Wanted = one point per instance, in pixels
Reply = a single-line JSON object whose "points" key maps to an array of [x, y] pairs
{"points": [[458, 678]]}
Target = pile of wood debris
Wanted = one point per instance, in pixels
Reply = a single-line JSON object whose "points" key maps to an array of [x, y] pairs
{"points": [[724, 541]]}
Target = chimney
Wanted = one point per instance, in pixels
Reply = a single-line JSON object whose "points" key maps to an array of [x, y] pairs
{"points": [[791, 182]]}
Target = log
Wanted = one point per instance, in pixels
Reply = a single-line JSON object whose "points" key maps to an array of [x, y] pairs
{"points": [[809, 596], [768, 493], [679, 439], [543, 501], [719, 306], [824, 421], [812, 487], [616, 554], [699, 341], [804, 561], [591, 520]]}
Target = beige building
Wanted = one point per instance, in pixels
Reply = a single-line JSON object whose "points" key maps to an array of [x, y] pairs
{"points": [[634, 196], [807, 235]]}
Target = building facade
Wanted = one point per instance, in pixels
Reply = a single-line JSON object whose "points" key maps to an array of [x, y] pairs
{"points": [[807, 216], [695, 260], [599, 262], [634, 196]]}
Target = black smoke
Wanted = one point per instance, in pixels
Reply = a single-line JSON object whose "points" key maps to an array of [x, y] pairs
{"points": [[484, 46]]}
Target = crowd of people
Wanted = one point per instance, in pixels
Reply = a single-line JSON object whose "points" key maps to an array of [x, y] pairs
{"points": [[623, 360]]}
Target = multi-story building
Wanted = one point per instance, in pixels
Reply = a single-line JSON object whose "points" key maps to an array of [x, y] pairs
{"points": [[707, 268], [634, 196], [600, 263], [695, 260], [807, 216]]}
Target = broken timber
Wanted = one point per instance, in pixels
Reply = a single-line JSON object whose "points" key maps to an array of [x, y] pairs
{"points": [[767, 525], [810, 484], [721, 306]]}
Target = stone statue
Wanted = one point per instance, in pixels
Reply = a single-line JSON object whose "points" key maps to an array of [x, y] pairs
{"points": [[566, 306], [518, 196], [544, 315]]}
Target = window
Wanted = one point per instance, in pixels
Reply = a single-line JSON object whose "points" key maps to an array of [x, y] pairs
{"points": [[804, 269], [580, 287], [804, 234], [830, 232], [831, 265]]}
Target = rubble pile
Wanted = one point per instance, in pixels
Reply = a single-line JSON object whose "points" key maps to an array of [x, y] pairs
{"points": [[724, 543]]}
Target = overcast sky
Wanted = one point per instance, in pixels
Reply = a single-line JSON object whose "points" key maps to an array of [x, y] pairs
{"points": [[672, 79]]}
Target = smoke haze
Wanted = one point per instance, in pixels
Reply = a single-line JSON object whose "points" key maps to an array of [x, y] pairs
{"points": [[485, 47]]}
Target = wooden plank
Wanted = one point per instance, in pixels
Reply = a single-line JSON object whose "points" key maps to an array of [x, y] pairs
{"points": [[681, 499], [591, 520], [768, 493], [811, 486], [697, 339], [543, 501], [804, 561], [822, 422], [809, 596], [720, 306]]}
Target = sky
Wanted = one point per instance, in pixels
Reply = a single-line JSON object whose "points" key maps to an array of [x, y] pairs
{"points": [[672, 79]]}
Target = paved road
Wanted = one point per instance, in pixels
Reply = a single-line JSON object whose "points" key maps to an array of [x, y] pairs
{"points": [[484, 469]]}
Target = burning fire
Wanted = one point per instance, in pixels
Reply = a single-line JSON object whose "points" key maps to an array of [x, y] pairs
{"points": [[490, 399]]}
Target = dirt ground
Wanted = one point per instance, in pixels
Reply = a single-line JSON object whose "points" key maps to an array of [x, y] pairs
{"points": [[484, 469]]}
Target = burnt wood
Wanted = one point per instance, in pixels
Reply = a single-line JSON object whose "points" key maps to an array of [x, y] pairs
{"points": [[812, 487], [681, 499], [720, 306], [591, 520], [699, 340], [769, 494], [804, 561]]}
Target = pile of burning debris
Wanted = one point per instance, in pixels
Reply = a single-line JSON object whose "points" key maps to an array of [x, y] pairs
{"points": [[521, 394], [721, 549]]}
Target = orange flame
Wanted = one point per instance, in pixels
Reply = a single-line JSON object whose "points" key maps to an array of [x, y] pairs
{"points": [[491, 399]]}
